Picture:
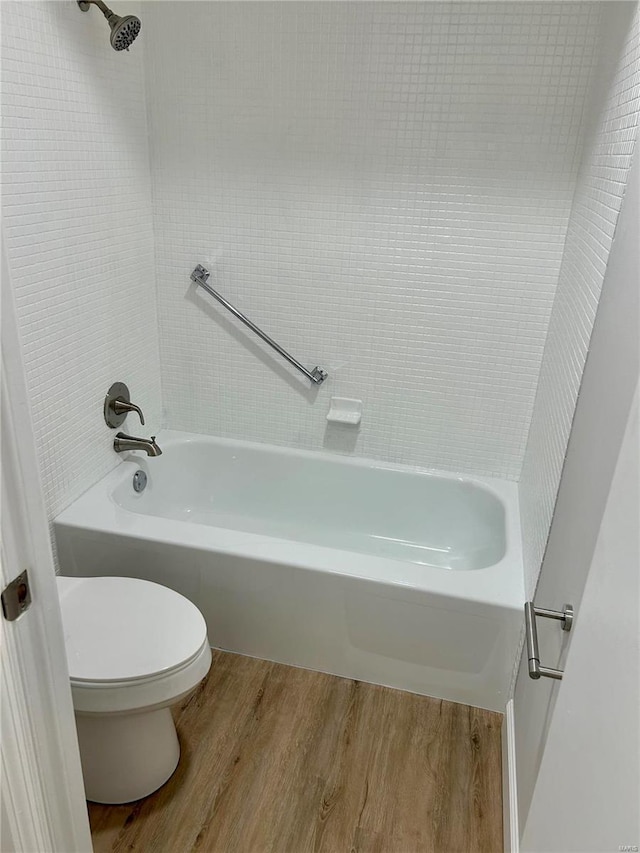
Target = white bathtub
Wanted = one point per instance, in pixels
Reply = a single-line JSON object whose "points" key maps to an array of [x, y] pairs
{"points": [[383, 573]]}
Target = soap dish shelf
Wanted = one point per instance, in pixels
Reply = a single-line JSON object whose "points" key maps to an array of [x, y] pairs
{"points": [[344, 410]]}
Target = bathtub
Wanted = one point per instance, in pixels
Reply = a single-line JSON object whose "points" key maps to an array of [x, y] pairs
{"points": [[383, 573]]}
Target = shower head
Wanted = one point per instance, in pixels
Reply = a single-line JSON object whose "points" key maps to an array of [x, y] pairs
{"points": [[123, 30]]}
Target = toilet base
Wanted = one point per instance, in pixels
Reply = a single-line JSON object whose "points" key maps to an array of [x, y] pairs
{"points": [[126, 756]]}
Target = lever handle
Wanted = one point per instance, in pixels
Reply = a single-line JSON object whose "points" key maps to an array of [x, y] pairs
{"points": [[117, 405], [122, 407]]}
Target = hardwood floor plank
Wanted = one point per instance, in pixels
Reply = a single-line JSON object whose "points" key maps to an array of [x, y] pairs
{"points": [[283, 760]]}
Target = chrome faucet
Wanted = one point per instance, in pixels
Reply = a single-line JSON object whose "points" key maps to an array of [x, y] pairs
{"points": [[123, 442]]}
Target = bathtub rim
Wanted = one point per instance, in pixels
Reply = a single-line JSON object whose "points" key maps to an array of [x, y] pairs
{"points": [[501, 584]]}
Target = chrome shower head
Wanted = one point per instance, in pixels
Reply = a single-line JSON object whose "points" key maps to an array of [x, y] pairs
{"points": [[123, 30]]}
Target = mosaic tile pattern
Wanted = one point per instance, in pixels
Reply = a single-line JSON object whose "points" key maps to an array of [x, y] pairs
{"points": [[385, 188], [599, 194], [76, 205]]}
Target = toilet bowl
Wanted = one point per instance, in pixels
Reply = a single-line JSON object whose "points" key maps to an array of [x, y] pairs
{"points": [[133, 649]]}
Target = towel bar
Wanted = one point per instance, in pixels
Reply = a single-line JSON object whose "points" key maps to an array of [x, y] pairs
{"points": [[530, 612], [200, 276]]}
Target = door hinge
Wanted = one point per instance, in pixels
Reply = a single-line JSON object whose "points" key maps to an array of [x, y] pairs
{"points": [[16, 597]]}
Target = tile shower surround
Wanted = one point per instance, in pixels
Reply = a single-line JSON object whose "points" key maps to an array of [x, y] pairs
{"points": [[385, 187], [598, 198], [77, 223]]}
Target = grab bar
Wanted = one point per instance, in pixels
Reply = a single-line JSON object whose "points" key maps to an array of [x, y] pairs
{"points": [[200, 276], [530, 612]]}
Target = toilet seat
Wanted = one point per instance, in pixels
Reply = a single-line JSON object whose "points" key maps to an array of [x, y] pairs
{"points": [[131, 644]]}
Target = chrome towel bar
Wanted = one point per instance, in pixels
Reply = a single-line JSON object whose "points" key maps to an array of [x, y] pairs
{"points": [[530, 612], [200, 276]]}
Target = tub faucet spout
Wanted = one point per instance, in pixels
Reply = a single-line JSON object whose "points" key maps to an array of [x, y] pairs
{"points": [[123, 442]]}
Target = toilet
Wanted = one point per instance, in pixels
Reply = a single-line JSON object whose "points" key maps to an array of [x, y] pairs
{"points": [[134, 648]]}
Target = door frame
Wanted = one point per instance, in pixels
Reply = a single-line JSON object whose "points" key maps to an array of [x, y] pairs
{"points": [[602, 413], [42, 792]]}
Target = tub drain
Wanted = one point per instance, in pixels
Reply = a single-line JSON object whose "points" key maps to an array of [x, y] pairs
{"points": [[139, 481]]}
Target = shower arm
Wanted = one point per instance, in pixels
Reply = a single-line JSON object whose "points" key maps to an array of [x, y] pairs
{"points": [[106, 11]]}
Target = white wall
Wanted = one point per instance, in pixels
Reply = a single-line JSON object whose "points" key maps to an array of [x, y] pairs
{"points": [[385, 187], [587, 797], [610, 379], [76, 207], [600, 189]]}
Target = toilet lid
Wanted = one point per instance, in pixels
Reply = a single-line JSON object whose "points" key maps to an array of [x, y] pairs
{"points": [[120, 629]]}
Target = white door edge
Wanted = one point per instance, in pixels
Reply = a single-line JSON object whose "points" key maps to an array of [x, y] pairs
{"points": [[509, 782], [42, 791]]}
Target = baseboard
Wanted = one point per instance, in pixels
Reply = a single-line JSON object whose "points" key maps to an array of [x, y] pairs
{"points": [[509, 783]]}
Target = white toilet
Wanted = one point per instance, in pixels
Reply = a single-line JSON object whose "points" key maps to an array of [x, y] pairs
{"points": [[134, 648]]}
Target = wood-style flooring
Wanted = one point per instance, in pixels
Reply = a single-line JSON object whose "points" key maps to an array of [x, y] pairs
{"points": [[291, 761]]}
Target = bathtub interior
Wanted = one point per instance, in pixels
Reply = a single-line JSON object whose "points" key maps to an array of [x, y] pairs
{"points": [[411, 516]]}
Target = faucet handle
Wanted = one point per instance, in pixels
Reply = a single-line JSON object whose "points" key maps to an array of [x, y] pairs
{"points": [[122, 407], [117, 405]]}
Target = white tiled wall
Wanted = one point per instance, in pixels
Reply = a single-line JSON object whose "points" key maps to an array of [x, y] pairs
{"points": [[385, 187], [77, 222], [600, 189]]}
